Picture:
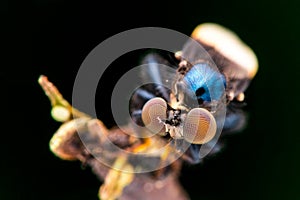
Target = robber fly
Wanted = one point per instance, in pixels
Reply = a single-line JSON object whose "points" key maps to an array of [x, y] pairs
{"points": [[189, 111]]}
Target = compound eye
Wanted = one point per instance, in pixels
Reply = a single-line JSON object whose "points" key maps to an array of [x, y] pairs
{"points": [[199, 126], [154, 113]]}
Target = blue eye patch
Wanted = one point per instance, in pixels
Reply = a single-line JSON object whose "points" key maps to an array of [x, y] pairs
{"points": [[206, 83]]}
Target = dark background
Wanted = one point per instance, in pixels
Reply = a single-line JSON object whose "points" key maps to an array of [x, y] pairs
{"points": [[53, 37]]}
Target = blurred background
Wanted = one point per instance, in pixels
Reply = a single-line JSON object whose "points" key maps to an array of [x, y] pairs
{"points": [[53, 37]]}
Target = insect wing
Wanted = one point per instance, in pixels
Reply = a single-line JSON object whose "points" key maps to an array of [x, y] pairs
{"points": [[160, 74]]}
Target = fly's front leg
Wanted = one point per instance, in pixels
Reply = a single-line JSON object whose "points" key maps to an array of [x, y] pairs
{"points": [[80, 138], [65, 143], [61, 110]]}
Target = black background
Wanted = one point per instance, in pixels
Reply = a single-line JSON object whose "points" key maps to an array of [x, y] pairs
{"points": [[53, 37]]}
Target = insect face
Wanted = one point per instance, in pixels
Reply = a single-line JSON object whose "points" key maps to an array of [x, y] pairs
{"points": [[197, 126]]}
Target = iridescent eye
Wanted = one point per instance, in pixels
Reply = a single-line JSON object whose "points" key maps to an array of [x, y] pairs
{"points": [[154, 113], [199, 126]]}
